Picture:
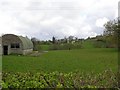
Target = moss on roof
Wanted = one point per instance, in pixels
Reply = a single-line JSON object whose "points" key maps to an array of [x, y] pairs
{"points": [[27, 43]]}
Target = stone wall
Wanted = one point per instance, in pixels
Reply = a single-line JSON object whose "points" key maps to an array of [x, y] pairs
{"points": [[28, 51], [8, 40]]}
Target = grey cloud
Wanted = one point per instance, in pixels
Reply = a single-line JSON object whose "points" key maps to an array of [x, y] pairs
{"points": [[59, 18]]}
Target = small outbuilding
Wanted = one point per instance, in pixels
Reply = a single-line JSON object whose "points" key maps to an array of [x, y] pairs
{"points": [[13, 44]]}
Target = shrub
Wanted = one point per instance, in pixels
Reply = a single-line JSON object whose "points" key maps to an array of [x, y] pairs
{"points": [[66, 46], [106, 79]]}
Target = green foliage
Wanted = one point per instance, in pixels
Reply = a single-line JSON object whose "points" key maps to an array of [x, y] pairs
{"points": [[44, 47], [112, 32], [99, 44], [66, 46], [88, 44], [0, 63], [105, 79]]}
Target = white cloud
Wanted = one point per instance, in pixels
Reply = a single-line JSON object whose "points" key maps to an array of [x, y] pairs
{"points": [[8, 24], [116, 13], [46, 18], [100, 22], [86, 28], [51, 21], [68, 30]]}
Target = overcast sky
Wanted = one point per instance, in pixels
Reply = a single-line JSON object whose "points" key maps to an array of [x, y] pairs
{"points": [[46, 18]]}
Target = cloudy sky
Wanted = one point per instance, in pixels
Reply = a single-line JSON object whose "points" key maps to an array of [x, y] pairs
{"points": [[46, 18]]}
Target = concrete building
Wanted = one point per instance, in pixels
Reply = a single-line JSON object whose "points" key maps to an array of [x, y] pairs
{"points": [[13, 44]]}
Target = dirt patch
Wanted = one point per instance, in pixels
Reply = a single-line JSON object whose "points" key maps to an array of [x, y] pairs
{"points": [[37, 53]]}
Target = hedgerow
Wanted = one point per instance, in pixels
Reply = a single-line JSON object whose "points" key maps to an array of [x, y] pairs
{"points": [[106, 79]]}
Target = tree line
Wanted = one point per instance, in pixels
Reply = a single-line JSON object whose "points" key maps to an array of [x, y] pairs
{"points": [[109, 39], [112, 32]]}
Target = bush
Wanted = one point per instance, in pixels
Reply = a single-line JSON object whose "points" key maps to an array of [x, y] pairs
{"points": [[66, 46], [99, 44], [106, 79]]}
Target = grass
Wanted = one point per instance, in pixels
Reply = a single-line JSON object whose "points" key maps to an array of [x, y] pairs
{"points": [[88, 44], [43, 47], [95, 60], [0, 63]]}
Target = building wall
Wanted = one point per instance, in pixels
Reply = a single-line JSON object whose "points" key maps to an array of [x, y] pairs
{"points": [[16, 50], [28, 51], [8, 40]]}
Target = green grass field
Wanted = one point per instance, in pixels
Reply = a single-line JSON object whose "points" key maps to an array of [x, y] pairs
{"points": [[0, 63], [96, 60], [88, 44], [43, 47]]}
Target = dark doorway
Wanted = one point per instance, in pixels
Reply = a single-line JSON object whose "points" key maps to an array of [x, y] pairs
{"points": [[5, 50]]}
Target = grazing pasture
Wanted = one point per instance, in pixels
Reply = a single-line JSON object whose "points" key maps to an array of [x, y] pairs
{"points": [[87, 60]]}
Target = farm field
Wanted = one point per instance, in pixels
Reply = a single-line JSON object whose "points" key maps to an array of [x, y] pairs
{"points": [[87, 60]]}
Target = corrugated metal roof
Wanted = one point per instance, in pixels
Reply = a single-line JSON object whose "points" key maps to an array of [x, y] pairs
{"points": [[27, 43]]}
